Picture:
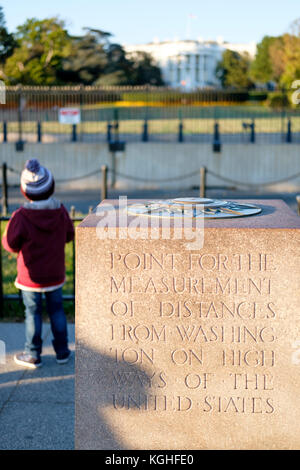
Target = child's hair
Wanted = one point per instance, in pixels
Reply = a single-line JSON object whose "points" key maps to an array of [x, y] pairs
{"points": [[37, 182]]}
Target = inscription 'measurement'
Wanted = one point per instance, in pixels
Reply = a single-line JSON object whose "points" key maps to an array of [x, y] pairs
{"points": [[189, 285]]}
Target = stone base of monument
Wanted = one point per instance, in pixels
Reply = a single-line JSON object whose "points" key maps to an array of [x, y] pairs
{"points": [[182, 346]]}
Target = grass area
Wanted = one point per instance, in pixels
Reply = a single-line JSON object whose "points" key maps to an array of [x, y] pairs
{"points": [[14, 310]]}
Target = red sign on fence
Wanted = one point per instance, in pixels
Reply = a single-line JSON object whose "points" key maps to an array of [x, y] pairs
{"points": [[69, 116]]}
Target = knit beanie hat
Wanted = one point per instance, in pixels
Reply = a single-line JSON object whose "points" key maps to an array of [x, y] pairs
{"points": [[37, 182]]}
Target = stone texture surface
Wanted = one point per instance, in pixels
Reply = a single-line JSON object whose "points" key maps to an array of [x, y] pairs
{"points": [[181, 349]]}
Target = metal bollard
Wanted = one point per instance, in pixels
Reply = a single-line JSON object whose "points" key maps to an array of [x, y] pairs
{"points": [[289, 132], [39, 132], [217, 140], [108, 134], [180, 132], [74, 133], [4, 131], [104, 182], [252, 134], [145, 136]]}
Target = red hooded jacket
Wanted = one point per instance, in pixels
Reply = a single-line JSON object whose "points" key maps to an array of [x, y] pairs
{"points": [[39, 237]]}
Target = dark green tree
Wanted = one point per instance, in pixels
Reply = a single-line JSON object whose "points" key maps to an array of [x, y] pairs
{"points": [[7, 41], [261, 69], [37, 57], [144, 71], [87, 59], [233, 70], [118, 68], [139, 69]]}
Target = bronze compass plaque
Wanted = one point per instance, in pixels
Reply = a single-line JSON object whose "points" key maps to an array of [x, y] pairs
{"points": [[192, 207]]}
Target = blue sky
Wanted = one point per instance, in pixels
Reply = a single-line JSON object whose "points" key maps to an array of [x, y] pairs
{"points": [[138, 21]]}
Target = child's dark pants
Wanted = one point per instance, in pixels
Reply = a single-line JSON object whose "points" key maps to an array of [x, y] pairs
{"points": [[33, 322]]}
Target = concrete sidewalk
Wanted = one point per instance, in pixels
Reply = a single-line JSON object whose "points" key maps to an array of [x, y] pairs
{"points": [[36, 406]]}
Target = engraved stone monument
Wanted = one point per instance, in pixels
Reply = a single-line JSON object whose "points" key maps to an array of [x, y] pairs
{"points": [[188, 345]]}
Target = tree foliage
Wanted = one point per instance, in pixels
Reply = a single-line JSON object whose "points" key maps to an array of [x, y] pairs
{"points": [[145, 71], [233, 70], [7, 41], [87, 59], [278, 58], [285, 56], [40, 48], [261, 69], [42, 52]]}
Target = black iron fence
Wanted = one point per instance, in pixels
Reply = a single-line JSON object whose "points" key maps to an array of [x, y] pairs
{"points": [[132, 114], [4, 274]]}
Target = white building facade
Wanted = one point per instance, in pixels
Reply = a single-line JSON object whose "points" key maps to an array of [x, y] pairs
{"points": [[189, 64]]}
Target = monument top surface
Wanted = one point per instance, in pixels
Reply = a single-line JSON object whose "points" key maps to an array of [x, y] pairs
{"points": [[275, 214]]}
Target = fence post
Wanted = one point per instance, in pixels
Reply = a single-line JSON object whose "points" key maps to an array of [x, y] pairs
{"points": [[104, 182], [298, 204], [1, 278], [4, 131], [203, 181], [39, 132], [4, 190]]}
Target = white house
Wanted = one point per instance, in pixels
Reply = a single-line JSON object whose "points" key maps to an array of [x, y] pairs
{"points": [[189, 64]]}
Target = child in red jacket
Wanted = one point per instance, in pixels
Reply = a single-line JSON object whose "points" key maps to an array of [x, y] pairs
{"points": [[38, 232]]}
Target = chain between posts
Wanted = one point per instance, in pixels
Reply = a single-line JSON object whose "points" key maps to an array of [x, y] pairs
{"points": [[170, 179], [252, 185]]}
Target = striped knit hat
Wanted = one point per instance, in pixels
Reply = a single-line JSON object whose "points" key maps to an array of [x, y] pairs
{"points": [[37, 182]]}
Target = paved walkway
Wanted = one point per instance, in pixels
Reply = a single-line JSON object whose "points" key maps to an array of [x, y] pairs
{"points": [[36, 406]]}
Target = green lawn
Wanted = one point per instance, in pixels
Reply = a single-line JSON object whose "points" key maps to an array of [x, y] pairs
{"points": [[13, 310]]}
